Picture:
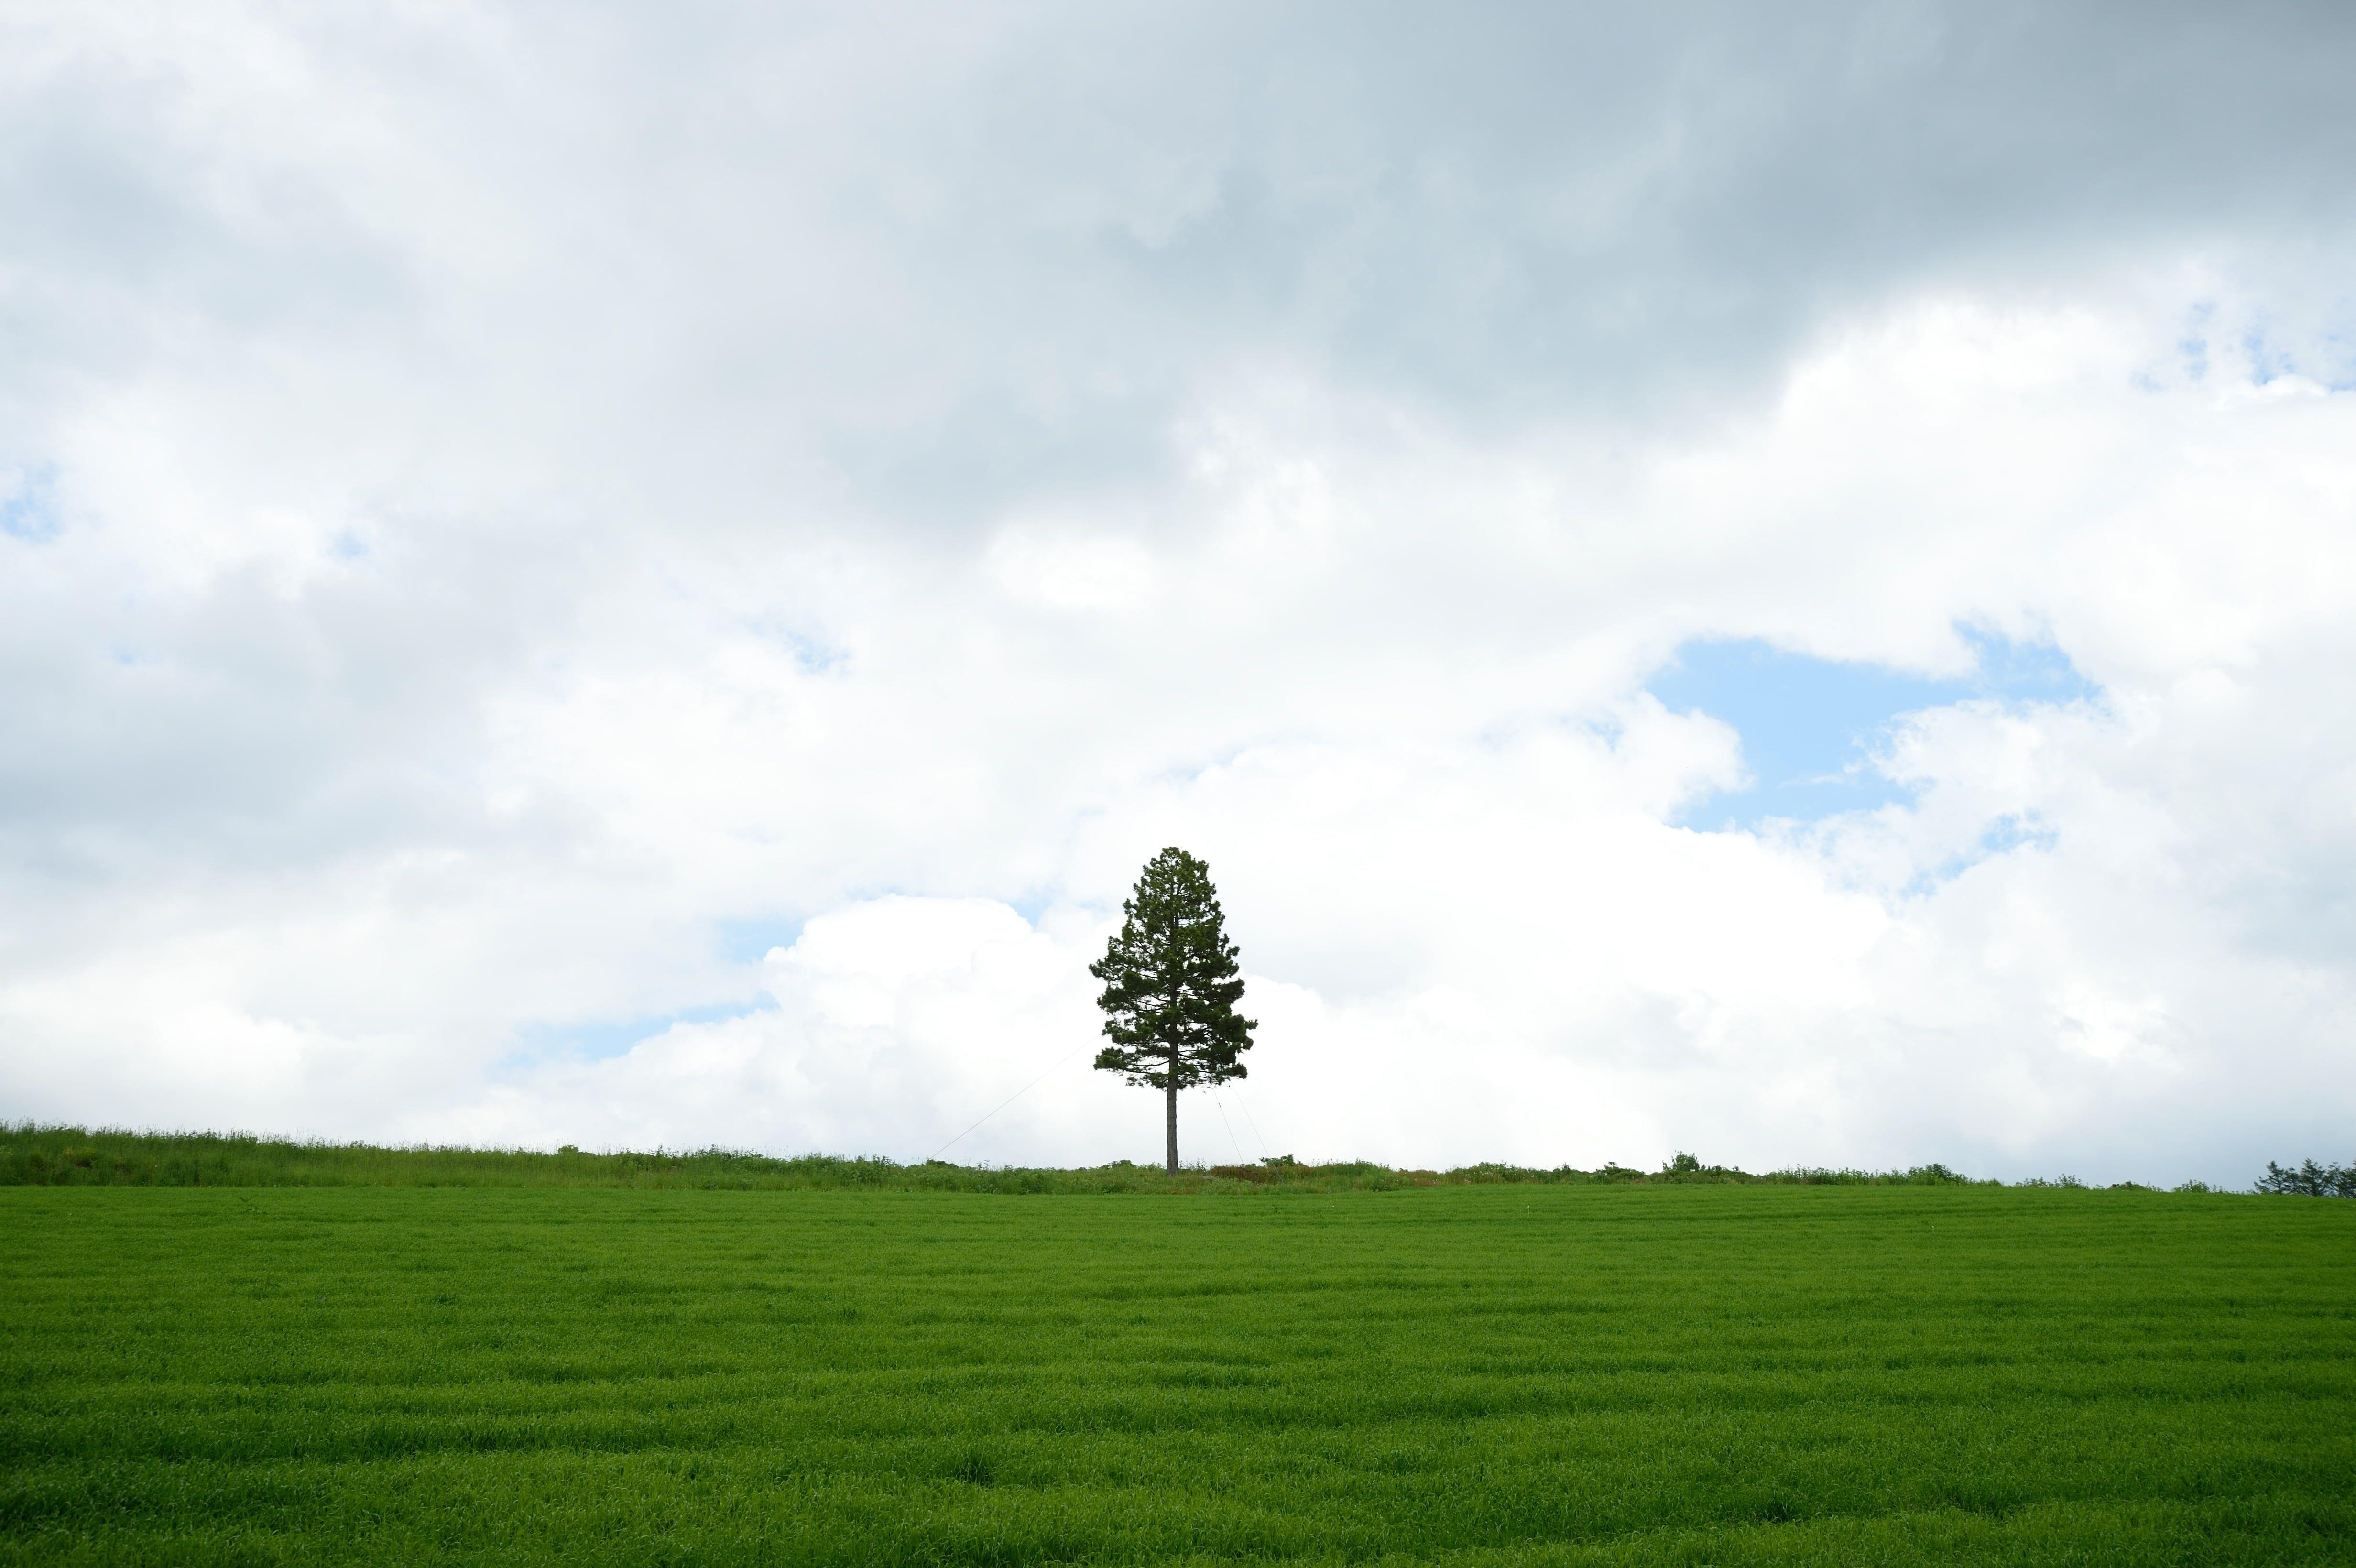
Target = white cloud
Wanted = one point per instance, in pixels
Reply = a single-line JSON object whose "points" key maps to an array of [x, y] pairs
{"points": [[522, 501]]}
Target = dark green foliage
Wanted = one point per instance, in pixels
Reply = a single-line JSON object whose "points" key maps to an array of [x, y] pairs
{"points": [[1171, 989], [1520, 1371], [2309, 1181], [1171, 982]]}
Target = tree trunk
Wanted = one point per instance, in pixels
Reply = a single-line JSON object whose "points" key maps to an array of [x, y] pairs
{"points": [[1174, 1113]]}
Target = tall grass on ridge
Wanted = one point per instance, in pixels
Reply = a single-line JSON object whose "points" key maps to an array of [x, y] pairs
{"points": [[43, 1156]]}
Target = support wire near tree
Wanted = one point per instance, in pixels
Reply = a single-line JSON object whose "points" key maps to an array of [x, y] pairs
{"points": [[1008, 1100]]}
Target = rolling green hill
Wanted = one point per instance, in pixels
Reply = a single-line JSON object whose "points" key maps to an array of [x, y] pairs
{"points": [[1474, 1374]]}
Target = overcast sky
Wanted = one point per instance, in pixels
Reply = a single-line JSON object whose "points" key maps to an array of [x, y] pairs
{"points": [[1778, 581]]}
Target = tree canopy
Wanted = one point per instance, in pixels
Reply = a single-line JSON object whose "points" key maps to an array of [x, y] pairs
{"points": [[1172, 983]]}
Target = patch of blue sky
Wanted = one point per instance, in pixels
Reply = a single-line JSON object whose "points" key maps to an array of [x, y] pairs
{"points": [[597, 1039], [2194, 345], [813, 654], [752, 940], [749, 941], [2023, 672], [1809, 725], [2017, 831], [2323, 351], [29, 503], [2267, 360], [2335, 354], [1032, 903]]}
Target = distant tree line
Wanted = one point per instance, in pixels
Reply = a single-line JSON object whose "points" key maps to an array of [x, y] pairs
{"points": [[2308, 1179]]}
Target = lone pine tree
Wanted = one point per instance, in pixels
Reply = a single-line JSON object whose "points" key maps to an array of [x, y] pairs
{"points": [[1172, 986]]}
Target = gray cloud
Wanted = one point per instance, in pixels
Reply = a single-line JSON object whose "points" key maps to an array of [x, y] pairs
{"points": [[917, 265], [524, 486]]}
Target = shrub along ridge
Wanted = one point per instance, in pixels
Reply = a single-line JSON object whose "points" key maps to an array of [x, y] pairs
{"points": [[36, 1154]]}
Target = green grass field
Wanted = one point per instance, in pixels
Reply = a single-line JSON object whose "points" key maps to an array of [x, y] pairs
{"points": [[1474, 1374]]}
